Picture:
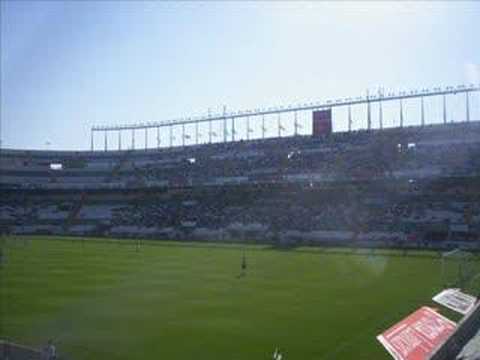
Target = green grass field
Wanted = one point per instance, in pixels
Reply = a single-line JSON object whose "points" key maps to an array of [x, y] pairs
{"points": [[104, 300]]}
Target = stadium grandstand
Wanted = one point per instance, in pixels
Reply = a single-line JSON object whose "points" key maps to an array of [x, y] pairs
{"points": [[407, 189], [403, 186]]}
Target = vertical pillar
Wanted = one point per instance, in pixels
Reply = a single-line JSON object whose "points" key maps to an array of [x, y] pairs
{"points": [[380, 114], [209, 127], [401, 113], [422, 109], [119, 140], [196, 133], [279, 125], [1, 143], [106, 143], [369, 114], [248, 127], [183, 134], [263, 127], [158, 137], [91, 140], [444, 109], [233, 129], [210, 131], [295, 125], [146, 138], [467, 106], [133, 139], [349, 118], [225, 131], [171, 135]]}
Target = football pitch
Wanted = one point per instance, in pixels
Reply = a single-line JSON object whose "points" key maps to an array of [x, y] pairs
{"points": [[103, 299]]}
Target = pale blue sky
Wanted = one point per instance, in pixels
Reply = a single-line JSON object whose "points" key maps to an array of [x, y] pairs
{"points": [[66, 66]]}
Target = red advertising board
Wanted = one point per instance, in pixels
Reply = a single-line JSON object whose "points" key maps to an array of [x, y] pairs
{"points": [[322, 122], [416, 336]]}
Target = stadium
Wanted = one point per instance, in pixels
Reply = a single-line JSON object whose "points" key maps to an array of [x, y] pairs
{"points": [[376, 187], [373, 208], [313, 230]]}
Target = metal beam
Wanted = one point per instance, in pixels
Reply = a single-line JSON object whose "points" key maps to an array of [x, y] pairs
{"points": [[311, 106], [401, 113], [210, 132], [263, 127], [196, 133], [279, 125], [146, 139], [422, 111], [467, 106], [225, 131], [349, 118], [444, 108], [295, 123], [369, 113], [183, 134], [380, 115]]}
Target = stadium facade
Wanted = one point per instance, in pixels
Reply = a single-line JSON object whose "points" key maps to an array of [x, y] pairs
{"points": [[403, 186]]}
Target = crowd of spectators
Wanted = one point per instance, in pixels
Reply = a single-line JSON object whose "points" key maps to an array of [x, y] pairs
{"points": [[277, 208], [446, 150], [421, 180]]}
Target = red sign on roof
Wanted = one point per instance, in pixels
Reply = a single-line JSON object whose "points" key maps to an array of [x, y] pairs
{"points": [[416, 336], [322, 122]]}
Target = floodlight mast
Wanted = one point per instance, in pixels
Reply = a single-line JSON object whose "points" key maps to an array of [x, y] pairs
{"points": [[359, 101]]}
